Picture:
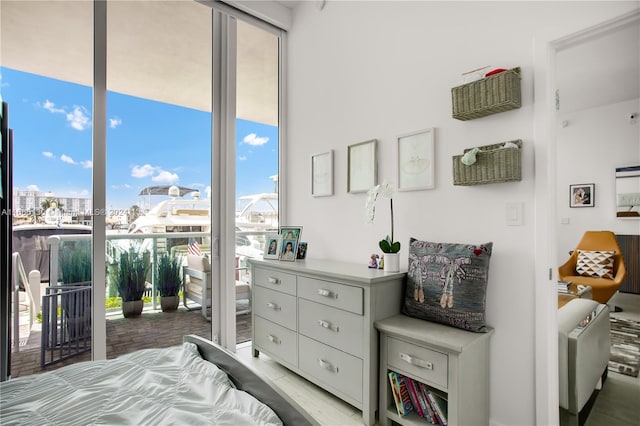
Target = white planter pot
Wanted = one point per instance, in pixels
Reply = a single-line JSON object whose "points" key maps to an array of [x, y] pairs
{"points": [[391, 262]]}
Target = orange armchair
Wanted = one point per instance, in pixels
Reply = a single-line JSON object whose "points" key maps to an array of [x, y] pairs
{"points": [[602, 288]]}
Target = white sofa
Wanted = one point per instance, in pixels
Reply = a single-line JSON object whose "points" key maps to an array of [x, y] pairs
{"points": [[583, 353]]}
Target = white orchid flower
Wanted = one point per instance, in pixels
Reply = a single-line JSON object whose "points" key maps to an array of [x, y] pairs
{"points": [[386, 189]]}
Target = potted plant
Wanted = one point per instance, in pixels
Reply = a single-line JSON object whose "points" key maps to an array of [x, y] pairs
{"points": [[131, 277], [169, 281], [75, 268], [389, 247]]}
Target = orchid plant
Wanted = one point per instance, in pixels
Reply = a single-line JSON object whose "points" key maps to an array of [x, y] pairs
{"points": [[386, 189]]}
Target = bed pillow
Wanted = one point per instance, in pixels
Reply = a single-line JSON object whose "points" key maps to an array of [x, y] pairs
{"points": [[447, 283], [597, 264]]}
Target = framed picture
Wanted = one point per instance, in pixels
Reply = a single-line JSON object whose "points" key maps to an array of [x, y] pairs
{"points": [[289, 250], [290, 232], [322, 174], [302, 250], [362, 166], [582, 195], [416, 160], [272, 246]]}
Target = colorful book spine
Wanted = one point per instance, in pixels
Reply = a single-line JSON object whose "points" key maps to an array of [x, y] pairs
{"points": [[414, 396], [425, 391], [404, 395], [423, 402], [439, 405], [395, 389]]}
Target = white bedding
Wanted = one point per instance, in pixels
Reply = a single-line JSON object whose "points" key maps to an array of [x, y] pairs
{"points": [[152, 386]]}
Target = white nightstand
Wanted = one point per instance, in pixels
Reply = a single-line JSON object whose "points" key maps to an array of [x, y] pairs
{"points": [[452, 362]]}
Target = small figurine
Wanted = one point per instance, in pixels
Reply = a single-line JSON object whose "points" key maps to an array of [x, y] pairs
{"points": [[373, 263], [381, 263]]}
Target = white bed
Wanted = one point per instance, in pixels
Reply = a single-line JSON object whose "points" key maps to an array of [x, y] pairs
{"points": [[197, 382]]}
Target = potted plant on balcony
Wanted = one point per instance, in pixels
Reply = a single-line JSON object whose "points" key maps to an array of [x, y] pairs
{"points": [[169, 281], [131, 277], [75, 268]]}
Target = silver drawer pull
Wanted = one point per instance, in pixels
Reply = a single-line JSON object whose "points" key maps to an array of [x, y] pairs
{"points": [[273, 280], [327, 293], [328, 325], [273, 306], [416, 361], [327, 365], [273, 339]]}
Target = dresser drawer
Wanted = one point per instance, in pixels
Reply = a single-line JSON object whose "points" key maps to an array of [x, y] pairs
{"points": [[276, 340], [340, 296], [335, 327], [275, 306], [430, 366], [276, 280], [332, 367]]}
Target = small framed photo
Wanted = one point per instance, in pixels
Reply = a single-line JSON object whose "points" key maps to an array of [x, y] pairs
{"points": [[582, 195], [362, 164], [302, 250], [290, 232], [322, 174], [289, 250], [416, 160], [272, 246]]}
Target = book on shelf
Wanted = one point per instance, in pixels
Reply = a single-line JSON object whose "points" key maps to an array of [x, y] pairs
{"points": [[439, 405], [414, 396], [424, 390], [400, 395]]}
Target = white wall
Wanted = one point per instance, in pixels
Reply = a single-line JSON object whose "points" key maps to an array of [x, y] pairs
{"points": [[362, 70], [590, 147]]}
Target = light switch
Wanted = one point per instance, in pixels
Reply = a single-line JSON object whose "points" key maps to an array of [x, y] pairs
{"points": [[514, 214], [564, 220]]}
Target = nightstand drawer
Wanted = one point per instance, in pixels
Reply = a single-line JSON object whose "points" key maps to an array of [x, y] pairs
{"points": [[335, 327], [275, 306], [340, 296], [275, 280], [337, 369], [427, 365], [277, 340]]}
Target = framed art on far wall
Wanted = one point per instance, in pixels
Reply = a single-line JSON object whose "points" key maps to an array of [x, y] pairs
{"points": [[582, 195], [362, 166], [322, 174], [416, 160]]}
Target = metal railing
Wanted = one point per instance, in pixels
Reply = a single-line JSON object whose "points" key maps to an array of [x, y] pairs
{"points": [[20, 280]]}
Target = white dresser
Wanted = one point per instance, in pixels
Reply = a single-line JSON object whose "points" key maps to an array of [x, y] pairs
{"points": [[316, 317]]}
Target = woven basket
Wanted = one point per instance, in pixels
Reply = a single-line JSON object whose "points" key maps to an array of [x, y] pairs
{"points": [[493, 164], [497, 93]]}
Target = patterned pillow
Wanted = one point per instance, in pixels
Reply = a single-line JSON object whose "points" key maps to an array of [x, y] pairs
{"points": [[597, 264], [447, 283]]}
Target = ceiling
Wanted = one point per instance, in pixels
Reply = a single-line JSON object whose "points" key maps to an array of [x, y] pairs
{"points": [[155, 50], [600, 70]]}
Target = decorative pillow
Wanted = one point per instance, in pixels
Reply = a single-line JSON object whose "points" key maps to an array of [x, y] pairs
{"points": [[597, 264], [447, 283]]}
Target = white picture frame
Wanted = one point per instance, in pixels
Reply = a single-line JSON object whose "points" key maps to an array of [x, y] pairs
{"points": [[362, 166], [272, 246], [416, 160], [322, 174]]}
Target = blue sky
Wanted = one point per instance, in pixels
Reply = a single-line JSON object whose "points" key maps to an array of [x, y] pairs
{"points": [[148, 143]]}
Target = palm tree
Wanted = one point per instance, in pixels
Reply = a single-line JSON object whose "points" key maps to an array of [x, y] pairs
{"points": [[47, 203], [134, 213]]}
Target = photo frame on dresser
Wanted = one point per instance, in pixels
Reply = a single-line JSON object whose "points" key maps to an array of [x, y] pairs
{"points": [[272, 246], [362, 166], [416, 160]]}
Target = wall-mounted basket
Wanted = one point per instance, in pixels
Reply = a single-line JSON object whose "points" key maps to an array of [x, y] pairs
{"points": [[494, 164], [496, 93]]}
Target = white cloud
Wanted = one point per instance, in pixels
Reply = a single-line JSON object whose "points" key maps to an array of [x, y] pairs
{"points": [[78, 118], [33, 188], [51, 107], [123, 186], [255, 140], [48, 154], [164, 176], [87, 164], [114, 122], [67, 159], [143, 171], [242, 157]]}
